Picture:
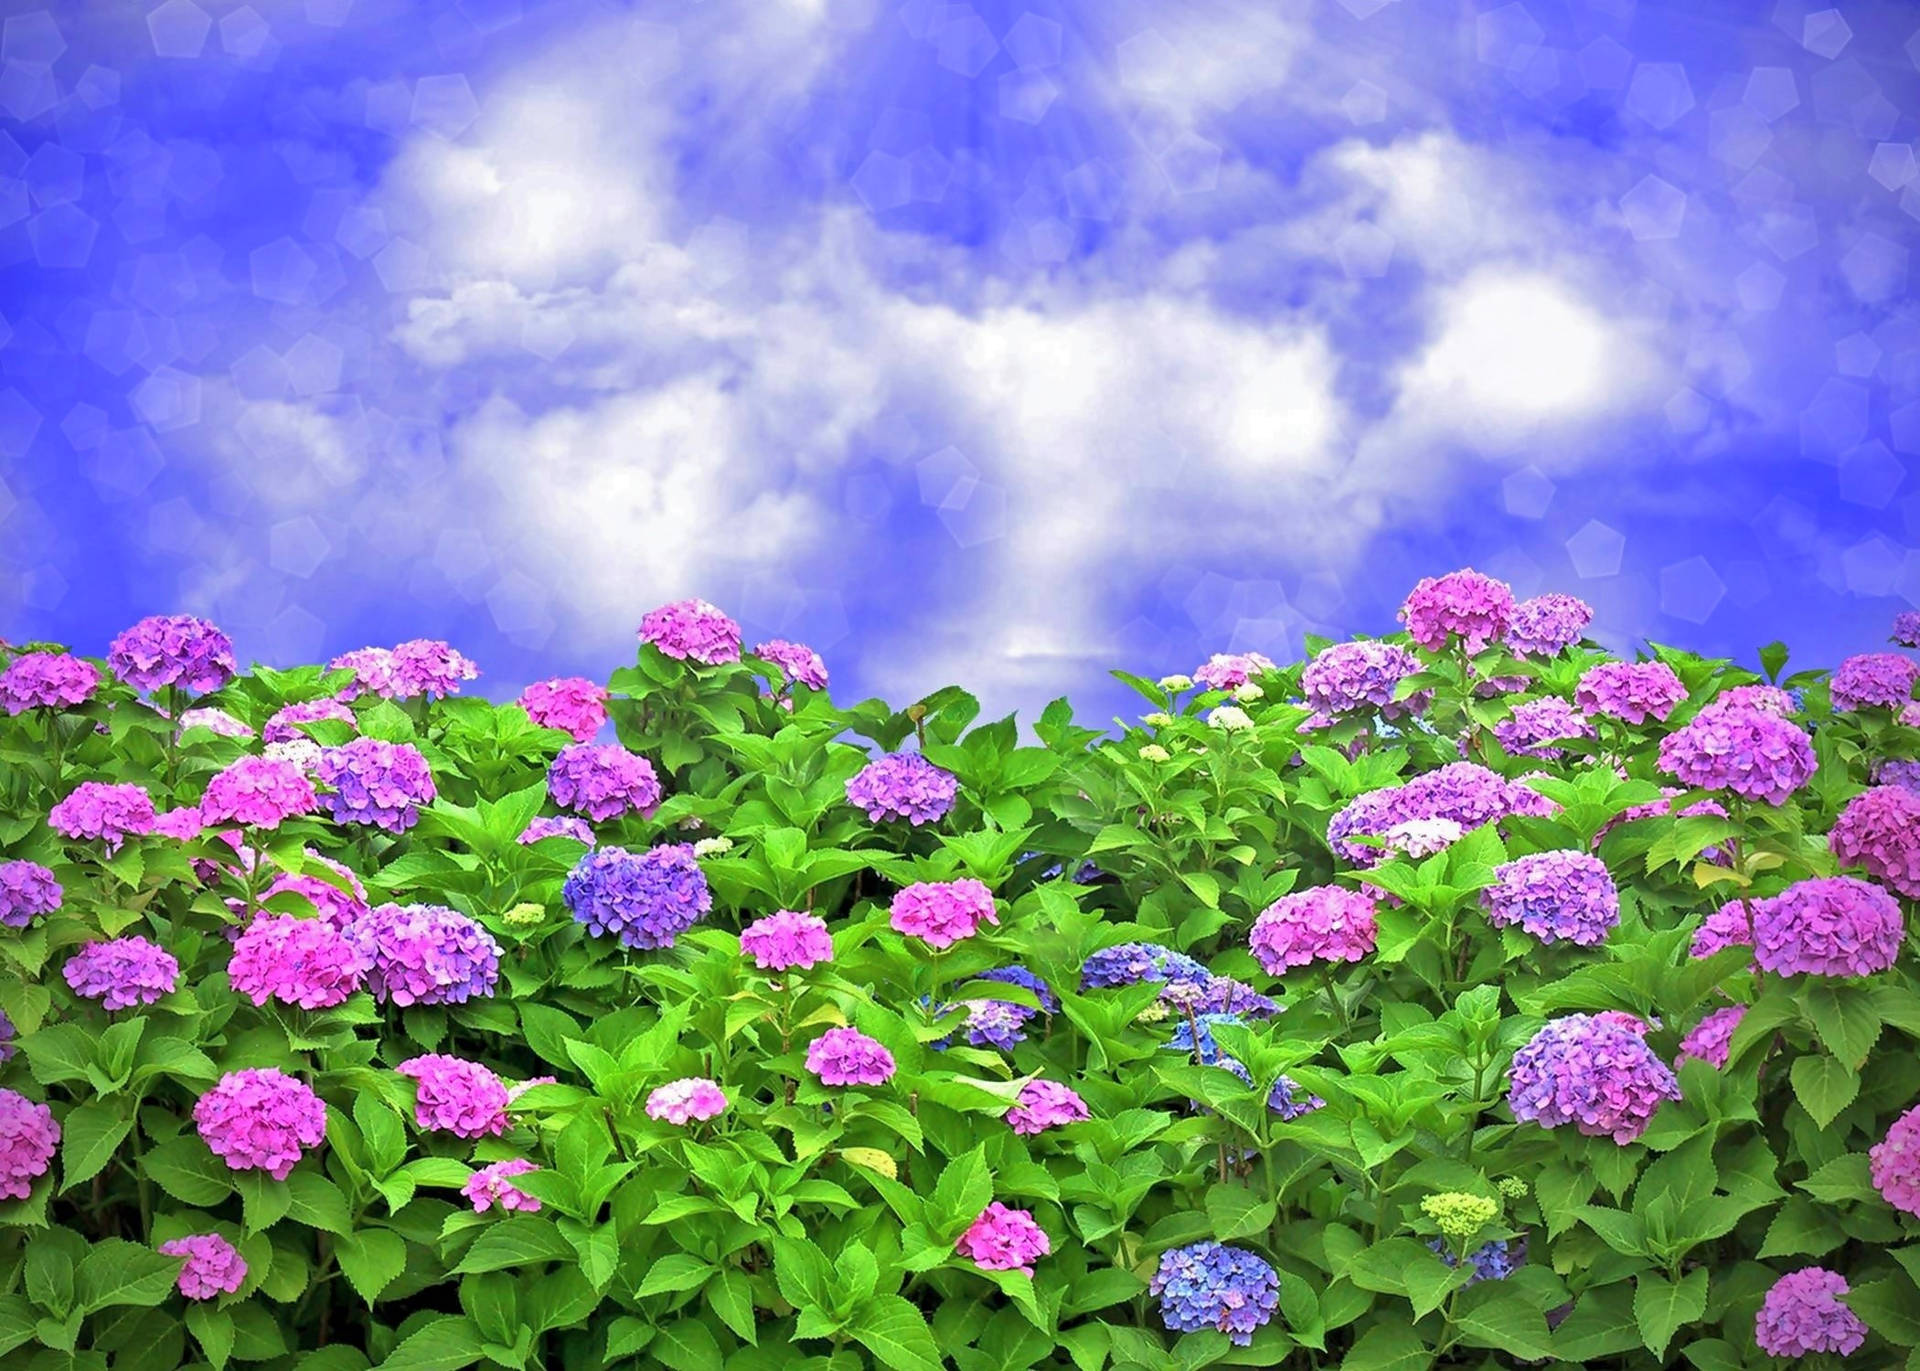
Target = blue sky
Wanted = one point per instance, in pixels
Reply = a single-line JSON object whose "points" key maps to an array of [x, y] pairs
{"points": [[1000, 343]]}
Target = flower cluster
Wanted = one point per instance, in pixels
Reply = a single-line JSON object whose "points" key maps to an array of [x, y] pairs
{"points": [[1827, 926], [426, 954], [1879, 831], [1894, 1163], [1631, 692], [28, 1139], [1493, 1261], [846, 1056], [372, 669], [602, 782], [802, 665], [1231, 670], [1906, 628], [260, 1118], [679, 1102], [456, 1095], [1771, 699], [1873, 680], [560, 825], [572, 704], [1547, 625], [27, 890], [1595, 1074], [1004, 1239], [785, 939], [172, 650], [1324, 924], [7, 1035], [1802, 1313], [105, 811], [47, 680], [1731, 925], [213, 1266], [1209, 1285], [122, 972], [337, 905], [1463, 793], [490, 1186], [903, 785], [1459, 1215], [306, 962], [1131, 963], [1286, 1100], [216, 721], [692, 630], [1046, 1104], [1345, 678], [942, 913], [1464, 604], [370, 781], [1536, 723], [257, 792], [1754, 754], [1556, 896], [283, 726], [1712, 1037], [645, 899]]}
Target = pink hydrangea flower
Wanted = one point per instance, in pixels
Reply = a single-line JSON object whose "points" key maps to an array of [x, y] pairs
{"points": [[284, 725], [1554, 896], [369, 781], [372, 669], [1231, 670], [692, 629], [1879, 831], [429, 667], [1004, 1239], [801, 663], [1802, 1313], [786, 939], [426, 954], [459, 1096], [1631, 692], [1548, 625], [172, 650], [846, 1056], [214, 1267], [1324, 924], [1767, 698], [603, 782], [1535, 724], [47, 680], [942, 913], [556, 825], [338, 906], [304, 962], [679, 1102], [1462, 604], [28, 1139], [182, 824], [1828, 926], [1748, 751], [257, 792], [1712, 1037], [1874, 680], [122, 972], [1046, 1104], [1599, 1076], [103, 810], [489, 1186], [572, 704], [27, 891], [262, 1119], [1894, 1163]]}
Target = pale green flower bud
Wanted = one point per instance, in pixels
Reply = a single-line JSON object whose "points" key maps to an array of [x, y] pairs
{"points": [[1458, 1214], [1173, 685], [1153, 752]]}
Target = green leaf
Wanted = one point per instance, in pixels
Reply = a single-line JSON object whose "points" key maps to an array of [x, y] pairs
{"points": [[1504, 1321], [1887, 1306], [686, 1345], [965, 1188], [371, 1258], [1845, 1019], [675, 1271], [732, 1299], [186, 1170], [893, 1330], [520, 1240], [1237, 1212], [1662, 1307], [317, 1202], [803, 1273], [1824, 1087], [118, 1272], [1388, 1347], [446, 1343], [1844, 1178], [213, 1329], [89, 1136], [1601, 1325], [16, 1322]]}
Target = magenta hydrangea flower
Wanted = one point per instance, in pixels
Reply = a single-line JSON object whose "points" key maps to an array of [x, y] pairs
{"points": [[572, 704], [1894, 1163], [27, 891], [28, 1139], [681, 1101], [1004, 1239], [1906, 628], [257, 792], [1324, 924], [214, 1267], [284, 724], [260, 1118], [1748, 751], [846, 1056], [903, 785], [369, 781], [1874, 680], [1728, 926], [692, 630], [1711, 1038], [216, 721], [1462, 604], [1046, 1104], [602, 782], [1599, 1076], [104, 810], [1771, 699], [122, 972], [1345, 678], [785, 939], [47, 680], [429, 667], [173, 650], [1548, 625], [1802, 1313], [1534, 724], [306, 962], [182, 824], [457, 1096], [1231, 670], [426, 954], [801, 663], [1631, 692], [490, 1186], [1464, 792], [337, 906], [942, 913], [372, 669], [1879, 831], [1556, 896], [645, 899], [550, 825], [1827, 926]]}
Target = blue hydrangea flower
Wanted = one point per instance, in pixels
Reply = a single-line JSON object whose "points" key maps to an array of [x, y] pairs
{"points": [[645, 899], [1132, 963], [1210, 1285], [1493, 1262], [1287, 1100], [1020, 976]]}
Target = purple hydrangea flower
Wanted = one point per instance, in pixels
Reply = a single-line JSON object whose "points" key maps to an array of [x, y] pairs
{"points": [[998, 1024], [1898, 771], [1493, 1261], [1906, 628], [1046, 1104], [306, 962], [1555, 896], [284, 725], [456, 1096], [603, 782], [1208, 1285], [1219, 995], [173, 650], [103, 810], [645, 899], [692, 630], [369, 781], [47, 680], [572, 704], [1132, 963], [1288, 1101], [903, 785], [262, 1119], [426, 954], [1463, 792], [1462, 604], [694, 1098], [785, 939], [1324, 924], [1803, 1313], [1770, 699], [1728, 926], [1711, 1038], [1020, 976], [1827, 926], [372, 669], [942, 913], [1879, 831], [1004, 1239], [1345, 678], [1874, 680], [1595, 1074], [1894, 1163], [1548, 625], [564, 825], [214, 1267], [846, 1056], [257, 792], [426, 666], [801, 663], [1748, 751], [27, 890], [216, 721], [1536, 723], [7, 1034], [1231, 670], [122, 972], [1631, 692], [28, 1139], [491, 1185]]}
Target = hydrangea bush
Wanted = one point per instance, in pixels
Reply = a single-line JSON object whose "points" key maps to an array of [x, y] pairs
{"points": [[1462, 997]]}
